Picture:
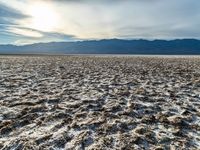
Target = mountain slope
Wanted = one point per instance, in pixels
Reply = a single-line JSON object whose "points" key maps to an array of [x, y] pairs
{"points": [[112, 46]]}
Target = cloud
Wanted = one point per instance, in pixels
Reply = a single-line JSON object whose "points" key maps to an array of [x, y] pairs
{"points": [[10, 26], [25, 35], [46, 37], [24, 32], [97, 19], [6, 11], [60, 36], [8, 14]]}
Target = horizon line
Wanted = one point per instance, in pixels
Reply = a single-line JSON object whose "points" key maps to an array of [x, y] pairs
{"points": [[90, 40]]}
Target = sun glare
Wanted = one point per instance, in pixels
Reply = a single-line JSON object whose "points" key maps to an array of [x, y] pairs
{"points": [[44, 17]]}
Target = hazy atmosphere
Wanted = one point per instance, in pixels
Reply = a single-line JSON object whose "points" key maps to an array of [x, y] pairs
{"points": [[26, 21]]}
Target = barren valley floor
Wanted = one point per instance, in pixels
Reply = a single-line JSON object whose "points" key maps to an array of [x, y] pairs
{"points": [[90, 102]]}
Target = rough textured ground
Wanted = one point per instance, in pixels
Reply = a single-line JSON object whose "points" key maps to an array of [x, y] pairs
{"points": [[82, 102]]}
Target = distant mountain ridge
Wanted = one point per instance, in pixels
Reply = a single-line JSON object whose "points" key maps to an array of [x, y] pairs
{"points": [[109, 46]]}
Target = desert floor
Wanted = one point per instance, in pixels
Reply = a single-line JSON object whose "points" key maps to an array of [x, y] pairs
{"points": [[99, 102]]}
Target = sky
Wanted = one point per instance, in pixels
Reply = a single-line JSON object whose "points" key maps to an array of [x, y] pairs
{"points": [[32, 21]]}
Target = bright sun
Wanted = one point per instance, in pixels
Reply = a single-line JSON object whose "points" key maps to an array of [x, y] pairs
{"points": [[43, 17]]}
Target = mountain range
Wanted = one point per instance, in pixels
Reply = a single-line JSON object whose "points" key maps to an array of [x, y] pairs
{"points": [[109, 46]]}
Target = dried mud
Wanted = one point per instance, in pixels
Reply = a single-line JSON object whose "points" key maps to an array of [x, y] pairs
{"points": [[94, 103]]}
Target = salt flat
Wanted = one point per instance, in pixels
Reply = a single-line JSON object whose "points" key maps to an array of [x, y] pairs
{"points": [[104, 102]]}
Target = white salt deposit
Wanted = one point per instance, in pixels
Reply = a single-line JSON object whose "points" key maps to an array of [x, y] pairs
{"points": [[103, 102]]}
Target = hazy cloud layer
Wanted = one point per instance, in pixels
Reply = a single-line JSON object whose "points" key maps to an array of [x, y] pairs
{"points": [[8, 15], [97, 19]]}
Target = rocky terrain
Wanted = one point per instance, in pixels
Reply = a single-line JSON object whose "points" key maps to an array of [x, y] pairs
{"points": [[99, 103]]}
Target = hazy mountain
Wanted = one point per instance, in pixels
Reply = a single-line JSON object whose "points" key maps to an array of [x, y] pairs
{"points": [[112, 46]]}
